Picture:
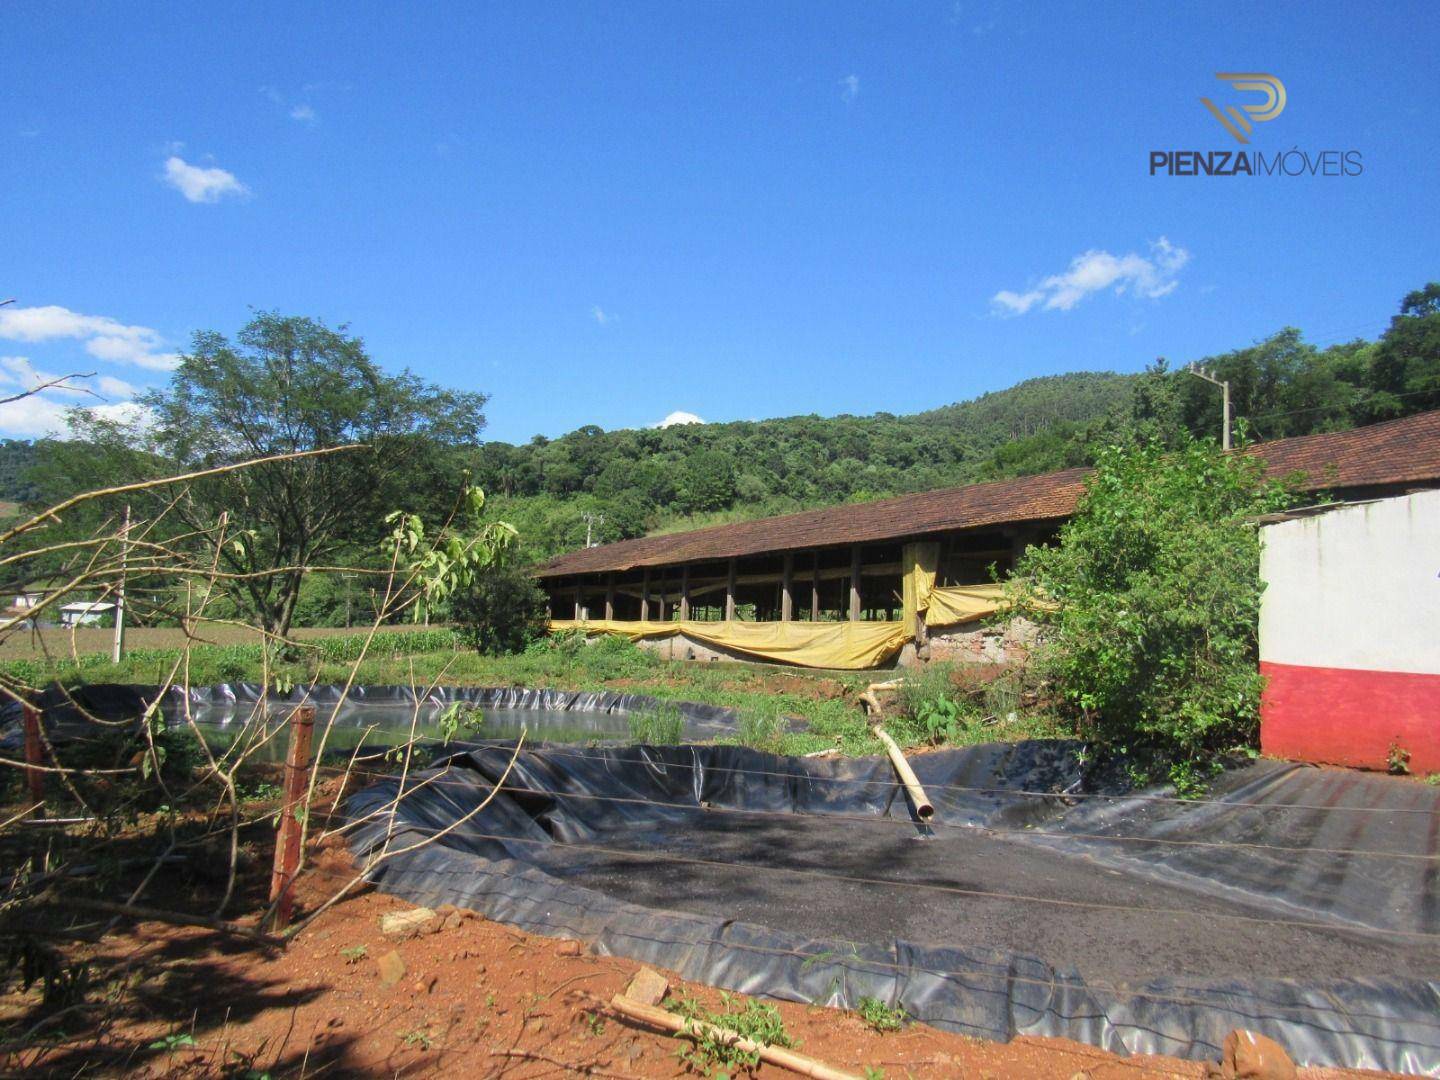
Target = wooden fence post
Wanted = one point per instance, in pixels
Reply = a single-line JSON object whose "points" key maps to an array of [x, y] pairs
{"points": [[34, 755], [287, 836]]}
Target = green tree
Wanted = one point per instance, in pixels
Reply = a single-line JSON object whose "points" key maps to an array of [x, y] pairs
{"points": [[1151, 598], [285, 385], [1405, 374], [708, 482], [501, 611]]}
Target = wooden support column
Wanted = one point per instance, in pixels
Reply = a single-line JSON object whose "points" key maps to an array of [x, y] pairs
{"points": [[815, 589], [787, 588], [1019, 541], [579, 601], [609, 596], [645, 595], [730, 593], [660, 598], [685, 593], [855, 583]]}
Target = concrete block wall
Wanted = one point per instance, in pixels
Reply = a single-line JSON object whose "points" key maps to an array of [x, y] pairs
{"points": [[1350, 635]]}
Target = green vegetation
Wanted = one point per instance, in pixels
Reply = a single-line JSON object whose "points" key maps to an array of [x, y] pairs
{"points": [[1397, 760], [231, 663], [502, 611], [716, 1056], [947, 704], [663, 480], [663, 725], [879, 1016], [285, 386], [1151, 599]]}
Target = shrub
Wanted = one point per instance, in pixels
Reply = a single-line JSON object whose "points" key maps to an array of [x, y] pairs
{"points": [[933, 709], [714, 1056], [1151, 599], [503, 611], [608, 657]]}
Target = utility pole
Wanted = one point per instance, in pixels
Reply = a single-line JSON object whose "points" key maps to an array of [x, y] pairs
{"points": [[1200, 373], [118, 646], [591, 520]]}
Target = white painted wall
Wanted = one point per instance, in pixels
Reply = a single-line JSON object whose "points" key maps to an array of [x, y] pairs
{"points": [[1357, 587]]}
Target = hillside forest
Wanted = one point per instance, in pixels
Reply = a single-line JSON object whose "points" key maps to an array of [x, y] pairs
{"points": [[627, 483]]}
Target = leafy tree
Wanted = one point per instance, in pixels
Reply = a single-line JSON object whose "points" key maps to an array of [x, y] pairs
{"points": [[708, 482], [1151, 598], [502, 610], [285, 385], [17, 458], [1405, 374]]}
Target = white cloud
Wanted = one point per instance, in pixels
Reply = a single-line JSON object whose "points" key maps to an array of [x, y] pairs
{"points": [[678, 417], [109, 386], [1096, 270], [304, 113], [41, 416], [199, 184], [849, 88], [105, 338], [18, 375], [600, 316], [33, 418]]}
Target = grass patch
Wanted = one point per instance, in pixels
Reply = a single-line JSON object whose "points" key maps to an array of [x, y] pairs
{"points": [[664, 725]]}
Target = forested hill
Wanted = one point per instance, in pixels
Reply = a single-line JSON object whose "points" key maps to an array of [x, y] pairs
{"points": [[659, 480], [654, 479], [637, 481]]}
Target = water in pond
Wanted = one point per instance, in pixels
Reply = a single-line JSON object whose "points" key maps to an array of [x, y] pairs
{"points": [[380, 725]]}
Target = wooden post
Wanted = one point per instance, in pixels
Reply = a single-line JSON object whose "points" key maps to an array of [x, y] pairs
{"points": [[645, 595], [787, 588], [609, 596], [117, 645], [730, 594], [660, 598], [579, 601], [685, 592], [815, 589], [287, 837], [855, 583], [34, 755]]}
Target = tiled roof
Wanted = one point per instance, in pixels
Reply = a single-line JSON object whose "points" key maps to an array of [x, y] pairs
{"points": [[1395, 452]]}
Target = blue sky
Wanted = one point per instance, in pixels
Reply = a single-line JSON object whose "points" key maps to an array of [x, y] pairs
{"points": [[604, 213]]}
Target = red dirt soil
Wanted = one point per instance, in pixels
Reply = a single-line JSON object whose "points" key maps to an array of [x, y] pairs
{"points": [[476, 999]]}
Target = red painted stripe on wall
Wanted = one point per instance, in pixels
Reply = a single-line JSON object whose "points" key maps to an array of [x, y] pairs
{"points": [[1346, 716]]}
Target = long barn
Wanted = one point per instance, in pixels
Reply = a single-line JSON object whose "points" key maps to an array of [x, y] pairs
{"points": [[861, 585]]}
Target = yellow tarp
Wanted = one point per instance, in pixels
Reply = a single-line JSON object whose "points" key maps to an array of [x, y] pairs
{"points": [[917, 567], [963, 603], [847, 645]]}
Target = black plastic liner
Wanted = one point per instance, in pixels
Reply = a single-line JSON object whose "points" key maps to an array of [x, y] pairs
{"points": [[65, 712], [1272, 911]]}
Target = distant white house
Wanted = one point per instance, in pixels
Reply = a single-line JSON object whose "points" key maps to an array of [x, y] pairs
{"points": [[84, 612], [27, 599]]}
